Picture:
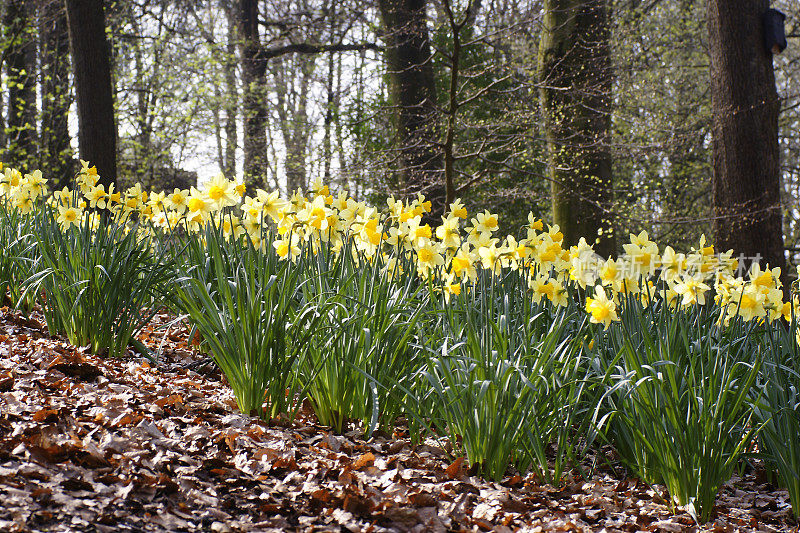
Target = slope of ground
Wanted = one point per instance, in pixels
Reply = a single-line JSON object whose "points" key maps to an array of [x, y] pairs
{"points": [[90, 444]]}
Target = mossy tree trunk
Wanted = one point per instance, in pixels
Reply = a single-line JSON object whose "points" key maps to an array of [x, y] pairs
{"points": [[575, 92], [56, 154], [20, 63]]}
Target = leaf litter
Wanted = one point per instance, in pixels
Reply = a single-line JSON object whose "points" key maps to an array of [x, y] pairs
{"points": [[91, 444]]}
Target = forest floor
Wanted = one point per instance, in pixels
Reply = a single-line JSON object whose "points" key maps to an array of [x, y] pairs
{"points": [[92, 444]]}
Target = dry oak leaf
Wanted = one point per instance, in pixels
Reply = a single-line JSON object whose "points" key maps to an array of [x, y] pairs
{"points": [[45, 415], [456, 469], [368, 459], [7, 381]]}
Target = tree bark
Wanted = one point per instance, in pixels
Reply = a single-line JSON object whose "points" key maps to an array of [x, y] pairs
{"points": [[2, 93], [97, 131], [231, 96], [453, 97], [292, 84], [575, 93], [745, 106], [21, 72], [143, 157], [254, 70], [56, 153], [330, 102], [413, 96]]}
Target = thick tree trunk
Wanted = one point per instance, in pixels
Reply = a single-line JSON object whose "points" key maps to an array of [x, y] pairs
{"points": [[575, 93], [56, 153], [413, 95], [746, 182], [97, 131], [21, 83], [254, 70]]}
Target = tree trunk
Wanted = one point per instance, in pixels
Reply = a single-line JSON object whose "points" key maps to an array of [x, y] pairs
{"points": [[746, 182], [231, 96], [327, 153], [254, 70], [461, 31], [21, 82], [575, 92], [143, 156], [413, 95], [2, 93], [56, 153], [293, 78], [97, 131]]}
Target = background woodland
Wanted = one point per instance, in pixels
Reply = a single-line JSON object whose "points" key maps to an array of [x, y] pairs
{"points": [[597, 115]]}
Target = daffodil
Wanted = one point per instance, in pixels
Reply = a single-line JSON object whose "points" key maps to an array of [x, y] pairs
{"points": [[21, 200], [584, 264], [199, 206], [231, 226], [490, 256], [642, 254], [462, 263], [602, 310], [68, 216], [458, 210], [428, 257], [315, 214], [398, 237], [766, 279], [478, 239], [451, 287], [539, 286], [35, 183], [485, 222], [558, 295], [287, 248], [749, 303], [221, 192], [448, 233], [11, 179], [611, 274], [317, 188], [272, 204], [176, 201], [97, 196], [534, 224], [87, 176], [673, 264], [774, 304], [548, 251], [692, 290], [419, 233]]}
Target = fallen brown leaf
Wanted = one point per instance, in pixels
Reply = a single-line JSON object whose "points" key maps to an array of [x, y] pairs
{"points": [[456, 469], [365, 460]]}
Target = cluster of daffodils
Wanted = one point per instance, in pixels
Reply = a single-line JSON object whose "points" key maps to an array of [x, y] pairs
{"points": [[685, 280], [452, 253], [21, 190]]}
